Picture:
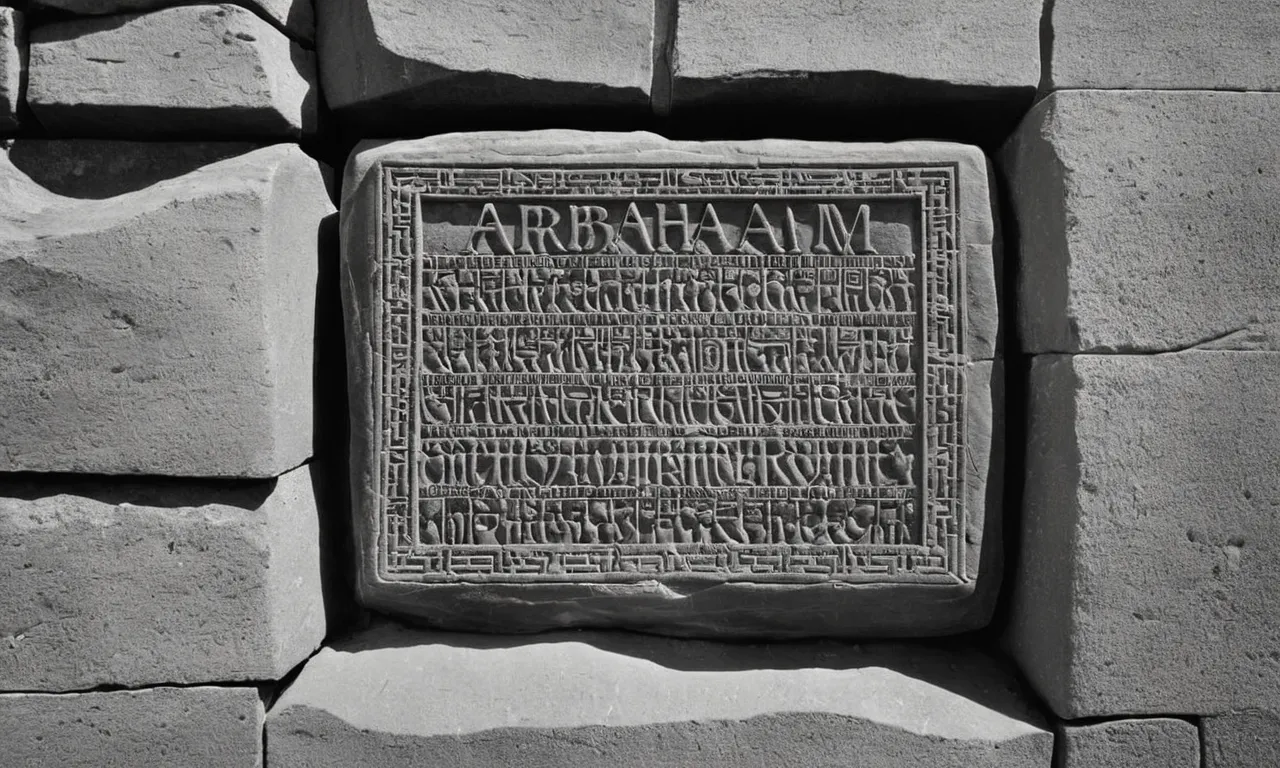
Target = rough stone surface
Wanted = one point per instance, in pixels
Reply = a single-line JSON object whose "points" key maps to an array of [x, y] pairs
{"points": [[167, 331], [386, 56], [295, 17], [628, 700], [856, 54], [1181, 44], [13, 54], [822, 548], [124, 583], [199, 71], [1152, 743], [97, 169], [154, 728], [1148, 221], [1241, 739], [1146, 582]]}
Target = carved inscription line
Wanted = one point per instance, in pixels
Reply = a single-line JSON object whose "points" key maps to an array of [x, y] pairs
{"points": [[693, 307]]}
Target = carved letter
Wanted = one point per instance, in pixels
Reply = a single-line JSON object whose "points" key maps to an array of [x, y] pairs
{"points": [[489, 223], [757, 224], [681, 224], [710, 220], [831, 222], [633, 220], [589, 219], [531, 222]]}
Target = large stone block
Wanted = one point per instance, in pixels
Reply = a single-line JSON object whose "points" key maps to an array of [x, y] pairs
{"points": [[627, 700], [13, 58], [200, 727], [1157, 742], [127, 583], [394, 59], [1241, 739], [166, 331], [1146, 581], [198, 71], [698, 388], [295, 17], [1176, 44], [1148, 221], [859, 55]]}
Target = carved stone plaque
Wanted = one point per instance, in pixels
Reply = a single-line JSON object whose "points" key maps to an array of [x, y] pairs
{"points": [[695, 388]]}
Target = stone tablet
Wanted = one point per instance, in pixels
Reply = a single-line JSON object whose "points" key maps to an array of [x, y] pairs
{"points": [[700, 388]]}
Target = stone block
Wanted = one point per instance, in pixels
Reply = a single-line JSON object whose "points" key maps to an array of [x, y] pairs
{"points": [[166, 331], [1183, 44], [627, 700], [200, 727], [130, 583], [783, 497], [197, 71], [1241, 739], [13, 58], [1148, 221], [1146, 581], [858, 55], [294, 17], [1148, 743], [392, 59]]}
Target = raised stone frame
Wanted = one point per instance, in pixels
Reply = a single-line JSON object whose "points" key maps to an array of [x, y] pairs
{"points": [[917, 535]]}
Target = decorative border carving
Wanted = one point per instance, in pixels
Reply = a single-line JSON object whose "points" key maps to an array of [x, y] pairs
{"points": [[938, 555]]}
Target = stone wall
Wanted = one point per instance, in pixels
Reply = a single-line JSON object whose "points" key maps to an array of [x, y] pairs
{"points": [[182, 581]]}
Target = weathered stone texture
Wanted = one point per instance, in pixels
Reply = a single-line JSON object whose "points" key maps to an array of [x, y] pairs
{"points": [[294, 16], [1148, 221], [381, 57], [1150, 743], [859, 54], [1146, 582], [200, 727], [13, 55], [132, 584], [627, 700], [700, 580], [200, 71], [1178, 44], [167, 331], [1241, 739]]}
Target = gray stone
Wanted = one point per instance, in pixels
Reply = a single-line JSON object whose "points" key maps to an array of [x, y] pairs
{"points": [[97, 169], [1241, 739], [1146, 581], [627, 700], [1148, 221], [199, 71], [167, 331], [153, 728], [856, 54], [383, 57], [13, 56], [1178, 44], [130, 583], [529, 508], [1150, 743], [295, 17]]}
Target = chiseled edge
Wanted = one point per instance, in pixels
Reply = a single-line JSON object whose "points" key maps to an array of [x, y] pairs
{"points": [[904, 609]]}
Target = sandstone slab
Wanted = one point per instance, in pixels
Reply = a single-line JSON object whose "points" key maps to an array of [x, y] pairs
{"points": [[295, 17], [1150, 743], [1241, 739], [1147, 221], [1182, 44], [627, 700], [129, 583], [533, 461], [393, 59], [13, 58], [1146, 580], [153, 728], [197, 71], [166, 331], [858, 55]]}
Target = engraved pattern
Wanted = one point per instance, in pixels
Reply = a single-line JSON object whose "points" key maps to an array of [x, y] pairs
{"points": [[629, 425]]}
